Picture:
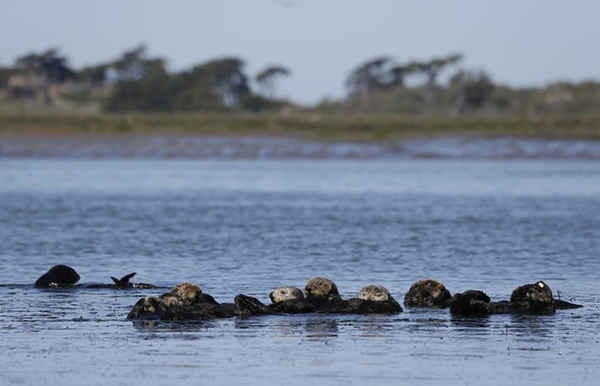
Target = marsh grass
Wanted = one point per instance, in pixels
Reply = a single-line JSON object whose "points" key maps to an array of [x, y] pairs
{"points": [[307, 125]]}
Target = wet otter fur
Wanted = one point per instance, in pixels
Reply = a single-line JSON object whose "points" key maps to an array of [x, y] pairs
{"points": [[123, 283], [322, 292], [322, 296], [59, 276], [372, 299], [428, 293], [471, 302], [534, 299], [184, 302], [288, 300]]}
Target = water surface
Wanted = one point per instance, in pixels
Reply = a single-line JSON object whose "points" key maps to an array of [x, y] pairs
{"points": [[249, 226]]}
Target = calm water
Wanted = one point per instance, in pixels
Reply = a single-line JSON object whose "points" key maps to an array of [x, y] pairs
{"points": [[249, 226]]}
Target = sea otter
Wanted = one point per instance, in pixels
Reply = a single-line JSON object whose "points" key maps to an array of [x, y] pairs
{"points": [[184, 302], [322, 296], [58, 276], [288, 300], [428, 293], [471, 302], [527, 299], [323, 293], [123, 283], [61, 276]]}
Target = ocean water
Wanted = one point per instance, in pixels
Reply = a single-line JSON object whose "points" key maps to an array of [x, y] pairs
{"points": [[249, 226]]}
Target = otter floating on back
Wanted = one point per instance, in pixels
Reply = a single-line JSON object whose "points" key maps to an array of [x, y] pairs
{"points": [[322, 296], [63, 276], [184, 302], [534, 299]]}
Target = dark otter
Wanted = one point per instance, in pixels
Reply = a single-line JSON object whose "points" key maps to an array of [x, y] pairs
{"points": [[184, 302], [533, 299], [58, 276], [123, 283], [471, 302], [428, 293], [527, 299]]}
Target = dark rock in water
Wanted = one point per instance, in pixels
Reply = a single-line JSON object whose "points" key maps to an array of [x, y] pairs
{"points": [[428, 293], [471, 302], [184, 302], [58, 276], [533, 299]]}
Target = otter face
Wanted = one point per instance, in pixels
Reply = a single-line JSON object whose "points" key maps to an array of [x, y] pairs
{"points": [[146, 308], [535, 298], [321, 288], [427, 293], [375, 293], [282, 294], [149, 304], [186, 292]]}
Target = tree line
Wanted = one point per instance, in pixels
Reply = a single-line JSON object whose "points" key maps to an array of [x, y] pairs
{"points": [[136, 81]]}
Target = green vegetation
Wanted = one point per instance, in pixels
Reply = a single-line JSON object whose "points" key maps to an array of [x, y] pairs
{"points": [[308, 125], [387, 99]]}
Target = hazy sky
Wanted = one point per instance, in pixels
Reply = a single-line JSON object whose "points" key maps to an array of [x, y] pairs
{"points": [[522, 42]]}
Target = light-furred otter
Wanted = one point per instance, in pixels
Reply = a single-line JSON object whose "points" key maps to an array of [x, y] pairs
{"points": [[58, 276], [322, 292], [288, 300], [428, 293], [322, 296], [527, 299], [184, 302]]}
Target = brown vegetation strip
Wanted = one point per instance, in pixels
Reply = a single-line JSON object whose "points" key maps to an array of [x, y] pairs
{"points": [[328, 127]]}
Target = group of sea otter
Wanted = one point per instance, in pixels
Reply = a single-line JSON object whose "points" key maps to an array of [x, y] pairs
{"points": [[187, 301]]}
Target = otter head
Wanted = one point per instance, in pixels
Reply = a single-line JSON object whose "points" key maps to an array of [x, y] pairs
{"points": [[149, 304], [149, 307], [282, 294], [322, 289], [375, 293], [58, 276], [536, 298], [427, 293], [186, 292]]}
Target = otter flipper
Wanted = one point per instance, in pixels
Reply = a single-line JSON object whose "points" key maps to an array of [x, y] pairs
{"points": [[247, 306], [564, 305], [124, 281]]}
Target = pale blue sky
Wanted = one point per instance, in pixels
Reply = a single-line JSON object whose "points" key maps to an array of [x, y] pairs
{"points": [[521, 42]]}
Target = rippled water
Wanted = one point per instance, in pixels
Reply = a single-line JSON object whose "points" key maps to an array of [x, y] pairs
{"points": [[249, 226]]}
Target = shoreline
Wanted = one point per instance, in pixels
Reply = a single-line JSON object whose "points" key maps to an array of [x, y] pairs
{"points": [[146, 146], [359, 128]]}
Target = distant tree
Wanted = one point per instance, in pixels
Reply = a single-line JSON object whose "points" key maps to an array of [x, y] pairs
{"points": [[433, 67], [50, 64], [153, 92], [374, 74], [130, 65], [474, 88], [223, 79], [267, 78], [96, 74]]}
